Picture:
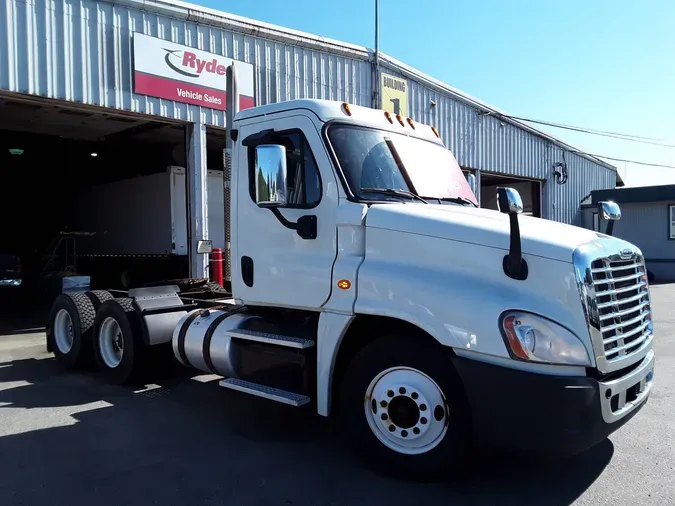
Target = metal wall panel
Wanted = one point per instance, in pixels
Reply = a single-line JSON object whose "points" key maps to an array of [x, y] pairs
{"points": [[81, 51], [647, 226], [562, 200], [477, 139], [482, 141]]}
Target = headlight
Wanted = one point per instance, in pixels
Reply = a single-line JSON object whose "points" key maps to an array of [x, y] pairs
{"points": [[536, 339]]}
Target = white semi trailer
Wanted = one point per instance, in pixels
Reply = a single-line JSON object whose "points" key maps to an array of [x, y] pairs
{"points": [[368, 285], [136, 230]]}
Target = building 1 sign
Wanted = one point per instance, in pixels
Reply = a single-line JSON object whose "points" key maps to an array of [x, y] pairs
{"points": [[394, 93], [167, 70]]}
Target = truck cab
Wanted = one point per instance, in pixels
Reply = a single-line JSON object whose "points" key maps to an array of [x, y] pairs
{"points": [[361, 262]]}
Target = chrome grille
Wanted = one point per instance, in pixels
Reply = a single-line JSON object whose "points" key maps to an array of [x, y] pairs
{"points": [[612, 280], [623, 305]]}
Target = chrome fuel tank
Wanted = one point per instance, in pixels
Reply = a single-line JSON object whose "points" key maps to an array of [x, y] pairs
{"points": [[202, 340]]}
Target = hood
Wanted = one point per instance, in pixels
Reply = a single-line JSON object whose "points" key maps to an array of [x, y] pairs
{"points": [[485, 227]]}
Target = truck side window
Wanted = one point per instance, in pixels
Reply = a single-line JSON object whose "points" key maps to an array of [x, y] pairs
{"points": [[304, 181]]}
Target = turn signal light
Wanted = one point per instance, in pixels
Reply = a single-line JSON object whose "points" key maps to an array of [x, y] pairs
{"points": [[514, 342], [344, 284]]}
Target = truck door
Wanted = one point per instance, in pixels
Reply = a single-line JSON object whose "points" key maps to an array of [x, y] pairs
{"points": [[272, 264]]}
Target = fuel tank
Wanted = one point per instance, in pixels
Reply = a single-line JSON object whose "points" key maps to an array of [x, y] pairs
{"points": [[201, 340]]}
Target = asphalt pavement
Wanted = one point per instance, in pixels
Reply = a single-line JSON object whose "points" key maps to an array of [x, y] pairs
{"points": [[68, 439]]}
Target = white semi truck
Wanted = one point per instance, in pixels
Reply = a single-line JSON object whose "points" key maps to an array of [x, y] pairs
{"points": [[369, 286]]}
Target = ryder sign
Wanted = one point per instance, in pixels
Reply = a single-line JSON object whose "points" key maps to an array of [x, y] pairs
{"points": [[167, 70]]}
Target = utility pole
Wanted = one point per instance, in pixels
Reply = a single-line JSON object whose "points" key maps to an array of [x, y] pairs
{"points": [[376, 63]]}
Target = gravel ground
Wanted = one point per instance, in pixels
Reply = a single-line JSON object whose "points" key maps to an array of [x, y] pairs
{"points": [[67, 439]]}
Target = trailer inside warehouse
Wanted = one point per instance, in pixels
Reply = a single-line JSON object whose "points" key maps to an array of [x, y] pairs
{"points": [[530, 192], [89, 192]]}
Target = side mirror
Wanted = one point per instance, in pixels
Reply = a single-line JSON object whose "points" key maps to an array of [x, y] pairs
{"points": [[271, 181], [471, 179], [610, 212], [509, 201]]}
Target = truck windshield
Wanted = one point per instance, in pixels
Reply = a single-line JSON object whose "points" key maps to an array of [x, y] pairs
{"points": [[376, 159]]}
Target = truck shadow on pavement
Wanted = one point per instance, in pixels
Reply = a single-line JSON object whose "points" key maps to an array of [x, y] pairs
{"points": [[68, 439]]}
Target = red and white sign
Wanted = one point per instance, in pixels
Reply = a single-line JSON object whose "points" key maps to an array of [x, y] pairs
{"points": [[167, 70]]}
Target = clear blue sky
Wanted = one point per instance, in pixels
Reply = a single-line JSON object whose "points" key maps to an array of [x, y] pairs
{"points": [[600, 64]]}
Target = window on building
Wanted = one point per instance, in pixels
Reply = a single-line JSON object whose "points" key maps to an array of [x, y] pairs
{"points": [[671, 216], [304, 181]]}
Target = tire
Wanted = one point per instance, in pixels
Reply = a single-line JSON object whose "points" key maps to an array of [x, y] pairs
{"points": [[188, 284], [212, 286], [118, 364], [437, 448], [98, 297], [69, 329]]}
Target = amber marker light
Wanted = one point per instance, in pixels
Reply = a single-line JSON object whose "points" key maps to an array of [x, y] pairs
{"points": [[344, 284]]}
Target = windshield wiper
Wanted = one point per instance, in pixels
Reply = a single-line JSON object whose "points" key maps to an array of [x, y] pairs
{"points": [[459, 200], [393, 192]]}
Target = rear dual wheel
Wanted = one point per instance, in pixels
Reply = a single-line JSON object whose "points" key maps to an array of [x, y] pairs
{"points": [[70, 326], [403, 407], [116, 339]]}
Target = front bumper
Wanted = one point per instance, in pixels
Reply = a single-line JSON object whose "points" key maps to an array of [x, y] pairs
{"points": [[555, 415]]}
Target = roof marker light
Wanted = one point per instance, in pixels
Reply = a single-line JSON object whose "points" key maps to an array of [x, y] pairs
{"points": [[400, 120], [345, 105], [435, 132], [410, 122], [387, 115]]}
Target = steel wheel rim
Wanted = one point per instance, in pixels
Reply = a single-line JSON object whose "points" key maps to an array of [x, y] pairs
{"points": [[63, 331], [406, 410], [111, 342]]}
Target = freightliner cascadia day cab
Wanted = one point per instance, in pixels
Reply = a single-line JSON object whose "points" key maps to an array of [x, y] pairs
{"points": [[367, 285]]}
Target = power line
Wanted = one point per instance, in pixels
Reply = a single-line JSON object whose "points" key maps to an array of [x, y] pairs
{"points": [[602, 133], [562, 125], [632, 161], [626, 137], [579, 152]]}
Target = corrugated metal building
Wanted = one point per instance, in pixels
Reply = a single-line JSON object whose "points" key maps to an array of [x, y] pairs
{"points": [[647, 220], [483, 139], [81, 52]]}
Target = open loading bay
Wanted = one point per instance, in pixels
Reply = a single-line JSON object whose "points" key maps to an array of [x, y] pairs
{"points": [[530, 192], [97, 194]]}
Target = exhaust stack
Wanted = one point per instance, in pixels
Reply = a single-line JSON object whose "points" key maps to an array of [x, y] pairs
{"points": [[232, 108]]}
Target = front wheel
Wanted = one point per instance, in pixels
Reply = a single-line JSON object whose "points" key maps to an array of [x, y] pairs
{"points": [[403, 407]]}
